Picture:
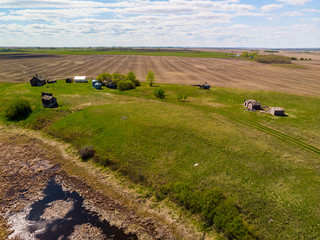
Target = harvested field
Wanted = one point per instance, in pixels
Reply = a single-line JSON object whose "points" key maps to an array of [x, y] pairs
{"points": [[234, 73]]}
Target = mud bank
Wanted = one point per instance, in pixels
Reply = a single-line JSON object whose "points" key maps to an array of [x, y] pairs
{"points": [[61, 214], [28, 162]]}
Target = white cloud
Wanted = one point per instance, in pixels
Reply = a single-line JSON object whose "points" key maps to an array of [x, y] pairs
{"points": [[271, 7], [295, 2]]}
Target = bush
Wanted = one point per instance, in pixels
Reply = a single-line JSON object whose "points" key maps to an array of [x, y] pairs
{"points": [[18, 110], [87, 152], [132, 77], [116, 77], [159, 93], [310, 59], [102, 161], [277, 59], [182, 97], [301, 58], [104, 78], [125, 85], [293, 58]]}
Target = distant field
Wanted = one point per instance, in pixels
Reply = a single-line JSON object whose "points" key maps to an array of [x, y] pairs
{"points": [[224, 72], [269, 165], [144, 52]]}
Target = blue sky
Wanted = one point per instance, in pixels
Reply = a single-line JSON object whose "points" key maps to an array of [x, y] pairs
{"points": [[185, 23]]}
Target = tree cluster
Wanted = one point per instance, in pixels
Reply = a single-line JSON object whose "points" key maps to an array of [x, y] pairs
{"points": [[119, 81]]}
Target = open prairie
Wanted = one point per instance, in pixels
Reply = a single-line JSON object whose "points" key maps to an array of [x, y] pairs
{"points": [[228, 72]]}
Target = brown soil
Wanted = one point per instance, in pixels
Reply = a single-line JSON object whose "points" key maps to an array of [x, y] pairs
{"points": [[234, 73], [28, 160]]}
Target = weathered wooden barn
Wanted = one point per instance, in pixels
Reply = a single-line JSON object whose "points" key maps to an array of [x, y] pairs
{"points": [[37, 81]]}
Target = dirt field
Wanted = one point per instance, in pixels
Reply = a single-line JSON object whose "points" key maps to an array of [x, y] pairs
{"points": [[234, 73]]}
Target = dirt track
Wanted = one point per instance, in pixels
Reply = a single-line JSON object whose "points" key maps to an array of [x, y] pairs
{"points": [[219, 72]]}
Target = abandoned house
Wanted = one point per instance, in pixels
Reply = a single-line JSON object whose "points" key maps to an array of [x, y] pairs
{"points": [[277, 111], [69, 80], [80, 79], [252, 104], [37, 81], [48, 101]]}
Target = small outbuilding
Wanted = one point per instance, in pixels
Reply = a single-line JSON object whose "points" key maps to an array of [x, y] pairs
{"points": [[37, 81], [69, 80], [97, 85], [277, 111], [252, 104], [80, 79], [48, 101]]}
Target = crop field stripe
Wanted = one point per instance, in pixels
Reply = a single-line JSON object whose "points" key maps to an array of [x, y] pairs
{"points": [[272, 132]]}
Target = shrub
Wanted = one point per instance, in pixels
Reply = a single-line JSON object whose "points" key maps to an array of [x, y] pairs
{"points": [[103, 161], [125, 85], [132, 77], [159, 93], [182, 97], [278, 59], [310, 59], [244, 54], [18, 110], [87, 152], [301, 58], [151, 78], [293, 58], [116, 77], [104, 77]]}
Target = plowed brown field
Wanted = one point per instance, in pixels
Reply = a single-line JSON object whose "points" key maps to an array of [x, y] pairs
{"points": [[234, 73]]}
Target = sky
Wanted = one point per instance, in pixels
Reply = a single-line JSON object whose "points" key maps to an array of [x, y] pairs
{"points": [[162, 23]]}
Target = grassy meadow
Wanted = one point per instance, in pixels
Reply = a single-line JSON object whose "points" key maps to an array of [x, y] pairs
{"points": [[264, 163]]}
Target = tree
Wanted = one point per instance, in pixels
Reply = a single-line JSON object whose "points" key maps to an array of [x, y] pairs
{"points": [[131, 76], [116, 77], [244, 54], [151, 78], [107, 77]]}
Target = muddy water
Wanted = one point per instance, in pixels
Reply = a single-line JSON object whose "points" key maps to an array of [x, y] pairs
{"points": [[62, 215]]}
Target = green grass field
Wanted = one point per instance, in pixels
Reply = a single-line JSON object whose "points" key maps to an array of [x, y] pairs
{"points": [[270, 166], [146, 52]]}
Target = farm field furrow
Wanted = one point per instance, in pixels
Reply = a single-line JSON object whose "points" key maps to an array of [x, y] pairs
{"points": [[234, 73]]}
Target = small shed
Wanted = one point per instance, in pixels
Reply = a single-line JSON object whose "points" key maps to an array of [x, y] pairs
{"points": [[69, 80], [37, 81], [48, 101], [277, 111], [252, 104], [80, 79]]}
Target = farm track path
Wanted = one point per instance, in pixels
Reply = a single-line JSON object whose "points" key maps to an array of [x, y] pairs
{"points": [[271, 132]]}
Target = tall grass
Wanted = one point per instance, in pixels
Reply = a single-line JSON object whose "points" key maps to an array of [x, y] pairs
{"points": [[272, 58]]}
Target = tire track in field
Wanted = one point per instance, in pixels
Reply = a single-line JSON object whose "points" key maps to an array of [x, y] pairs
{"points": [[271, 132]]}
